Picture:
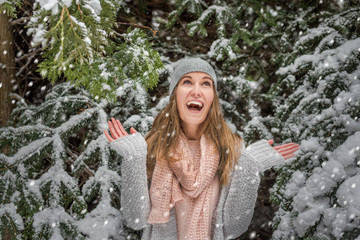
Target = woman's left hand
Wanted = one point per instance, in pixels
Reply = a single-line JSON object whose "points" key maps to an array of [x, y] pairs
{"points": [[286, 150]]}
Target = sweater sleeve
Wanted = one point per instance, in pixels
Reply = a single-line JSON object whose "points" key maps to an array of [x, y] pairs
{"points": [[264, 154], [239, 204], [135, 202]]}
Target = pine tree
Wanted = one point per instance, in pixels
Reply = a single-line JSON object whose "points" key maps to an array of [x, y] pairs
{"points": [[317, 105], [79, 42], [61, 179], [246, 32]]}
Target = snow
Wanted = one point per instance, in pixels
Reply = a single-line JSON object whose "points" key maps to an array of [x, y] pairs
{"points": [[105, 86], [320, 183], [58, 178], [219, 47], [80, 24], [295, 183], [142, 123], [39, 36], [52, 216], [97, 227], [52, 5], [28, 151], [160, 105], [329, 165], [95, 8], [305, 220], [348, 152], [9, 211], [309, 196], [348, 195], [333, 58], [323, 187]]}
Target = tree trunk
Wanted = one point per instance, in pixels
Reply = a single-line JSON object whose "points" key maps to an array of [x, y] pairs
{"points": [[7, 68]]}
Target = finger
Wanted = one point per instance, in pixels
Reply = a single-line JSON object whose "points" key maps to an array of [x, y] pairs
{"points": [[288, 151], [286, 146], [112, 131], [108, 136], [122, 128], [132, 130], [291, 148], [271, 141], [116, 127], [288, 156]]}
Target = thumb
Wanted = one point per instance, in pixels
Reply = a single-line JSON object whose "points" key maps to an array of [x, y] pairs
{"points": [[132, 130]]}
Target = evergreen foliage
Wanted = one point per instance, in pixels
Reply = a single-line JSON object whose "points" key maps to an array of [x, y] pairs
{"points": [[61, 179], [245, 30], [79, 43], [9, 7], [242, 113], [317, 192]]}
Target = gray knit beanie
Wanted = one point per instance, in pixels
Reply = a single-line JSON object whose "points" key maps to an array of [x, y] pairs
{"points": [[188, 65]]}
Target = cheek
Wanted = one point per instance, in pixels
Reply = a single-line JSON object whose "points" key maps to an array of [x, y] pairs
{"points": [[178, 102], [179, 105], [180, 97], [179, 94], [210, 98]]}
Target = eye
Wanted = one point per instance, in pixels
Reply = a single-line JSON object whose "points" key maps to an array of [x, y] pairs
{"points": [[207, 83], [186, 82]]}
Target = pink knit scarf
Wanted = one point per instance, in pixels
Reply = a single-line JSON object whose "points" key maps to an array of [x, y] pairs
{"points": [[195, 179]]}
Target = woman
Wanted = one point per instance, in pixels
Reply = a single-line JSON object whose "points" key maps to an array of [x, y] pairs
{"points": [[203, 183]]}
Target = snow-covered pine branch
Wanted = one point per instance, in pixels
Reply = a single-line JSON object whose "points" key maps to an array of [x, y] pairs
{"points": [[318, 191], [61, 179], [79, 42]]}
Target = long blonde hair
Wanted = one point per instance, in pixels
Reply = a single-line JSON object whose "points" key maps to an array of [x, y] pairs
{"points": [[166, 130]]}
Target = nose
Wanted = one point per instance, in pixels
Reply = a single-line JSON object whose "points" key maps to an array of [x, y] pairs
{"points": [[196, 90]]}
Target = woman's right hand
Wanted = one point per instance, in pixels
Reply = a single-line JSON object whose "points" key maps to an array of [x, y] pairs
{"points": [[116, 130]]}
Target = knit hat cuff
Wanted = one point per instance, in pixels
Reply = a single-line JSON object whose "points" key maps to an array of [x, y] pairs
{"points": [[188, 65]]}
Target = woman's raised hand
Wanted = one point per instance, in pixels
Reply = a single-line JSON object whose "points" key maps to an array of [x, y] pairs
{"points": [[116, 130], [286, 150]]}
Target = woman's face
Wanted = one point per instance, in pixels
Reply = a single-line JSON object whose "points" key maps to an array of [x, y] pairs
{"points": [[194, 96]]}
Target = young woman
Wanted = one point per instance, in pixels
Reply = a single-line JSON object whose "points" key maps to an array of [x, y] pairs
{"points": [[191, 177]]}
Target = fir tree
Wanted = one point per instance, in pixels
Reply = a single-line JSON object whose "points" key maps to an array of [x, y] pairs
{"points": [[78, 42], [314, 99], [245, 31], [61, 179], [318, 191]]}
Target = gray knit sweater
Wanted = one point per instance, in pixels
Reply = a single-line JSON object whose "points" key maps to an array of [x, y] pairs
{"points": [[236, 203]]}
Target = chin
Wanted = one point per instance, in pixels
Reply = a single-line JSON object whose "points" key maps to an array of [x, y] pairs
{"points": [[194, 121]]}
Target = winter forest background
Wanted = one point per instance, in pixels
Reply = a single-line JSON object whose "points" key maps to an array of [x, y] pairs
{"points": [[288, 71]]}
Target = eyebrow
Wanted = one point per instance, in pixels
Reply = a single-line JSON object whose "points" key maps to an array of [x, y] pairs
{"points": [[187, 76]]}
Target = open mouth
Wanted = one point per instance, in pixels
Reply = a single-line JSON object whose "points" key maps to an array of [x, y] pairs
{"points": [[194, 105]]}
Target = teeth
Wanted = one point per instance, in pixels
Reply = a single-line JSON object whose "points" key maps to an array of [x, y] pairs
{"points": [[194, 102]]}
